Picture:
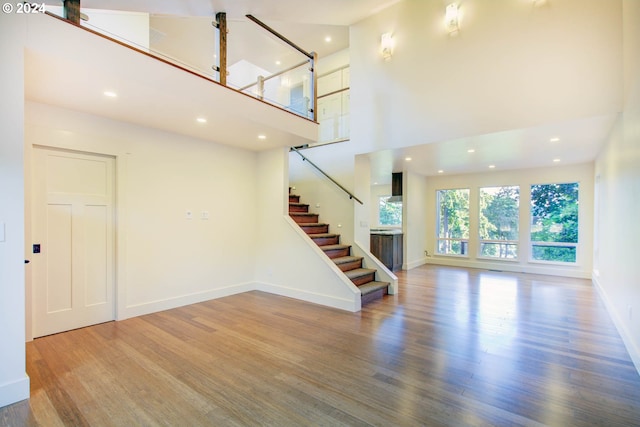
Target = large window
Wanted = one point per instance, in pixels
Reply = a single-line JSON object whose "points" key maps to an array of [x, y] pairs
{"points": [[389, 212], [554, 222], [498, 222], [453, 221]]}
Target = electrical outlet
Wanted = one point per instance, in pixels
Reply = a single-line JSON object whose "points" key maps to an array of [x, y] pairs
{"points": [[188, 215]]}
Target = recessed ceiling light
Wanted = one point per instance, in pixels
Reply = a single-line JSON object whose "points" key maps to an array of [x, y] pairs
{"points": [[440, 171], [262, 136], [492, 166], [201, 120], [327, 39], [554, 139], [278, 62], [408, 159], [471, 150], [556, 160], [110, 94]]}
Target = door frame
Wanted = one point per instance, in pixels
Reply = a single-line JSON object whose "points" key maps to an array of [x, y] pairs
{"points": [[118, 249]]}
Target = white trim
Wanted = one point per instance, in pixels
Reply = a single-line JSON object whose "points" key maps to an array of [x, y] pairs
{"points": [[550, 270], [316, 298], [170, 303], [14, 391], [625, 334], [370, 261]]}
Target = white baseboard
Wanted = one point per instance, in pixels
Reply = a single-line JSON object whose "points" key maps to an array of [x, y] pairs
{"points": [[414, 264], [167, 304], [327, 300], [14, 391], [512, 267], [632, 346]]}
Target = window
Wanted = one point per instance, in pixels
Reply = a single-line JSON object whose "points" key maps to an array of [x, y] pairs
{"points": [[498, 222], [453, 221], [554, 222], [389, 213]]}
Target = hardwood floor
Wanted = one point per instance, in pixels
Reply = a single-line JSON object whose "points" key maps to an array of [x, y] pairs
{"points": [[456, 347]]}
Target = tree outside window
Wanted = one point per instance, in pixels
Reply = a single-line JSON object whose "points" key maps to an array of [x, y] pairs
{"points": [[389, 213], [498, 222], [554, 222], [453, 221]]}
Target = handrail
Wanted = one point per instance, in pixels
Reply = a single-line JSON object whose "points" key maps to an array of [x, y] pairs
{"points": [[351, 196], [280, 36], [279, 73], [344, 89]]}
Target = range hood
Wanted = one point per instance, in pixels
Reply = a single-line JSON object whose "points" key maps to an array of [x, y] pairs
{"points": [[396, 187]]}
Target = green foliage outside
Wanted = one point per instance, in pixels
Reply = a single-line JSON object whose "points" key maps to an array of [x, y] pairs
{"points": [[554, 219], [390, 212], [453, 220], [499, 213]]}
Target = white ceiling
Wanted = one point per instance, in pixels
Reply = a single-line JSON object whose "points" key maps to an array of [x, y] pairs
{"points": [[307, 23]]}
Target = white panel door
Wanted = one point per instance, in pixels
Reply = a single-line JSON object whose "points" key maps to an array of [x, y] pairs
{"points": [[73, 216]]}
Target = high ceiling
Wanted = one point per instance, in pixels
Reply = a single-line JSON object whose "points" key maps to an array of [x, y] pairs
{"points": [[309, 22]]}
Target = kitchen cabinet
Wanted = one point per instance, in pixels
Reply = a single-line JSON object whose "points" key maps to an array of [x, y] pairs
{"points": [[387, 247]]}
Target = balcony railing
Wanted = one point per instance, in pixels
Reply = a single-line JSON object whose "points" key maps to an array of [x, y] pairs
{"points": [[257, 60]]}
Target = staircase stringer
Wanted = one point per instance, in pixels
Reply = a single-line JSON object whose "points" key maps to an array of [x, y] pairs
{"points": [[383, 274], [326, 261]]}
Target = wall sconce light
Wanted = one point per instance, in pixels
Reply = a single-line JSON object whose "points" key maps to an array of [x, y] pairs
{"points": [[386, 46], [451, 19]]}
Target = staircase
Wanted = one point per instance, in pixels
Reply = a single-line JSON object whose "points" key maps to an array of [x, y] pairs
{"points": [[351, 266]]}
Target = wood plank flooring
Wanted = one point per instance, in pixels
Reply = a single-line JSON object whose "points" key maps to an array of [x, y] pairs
{"points": [[456, 347]]}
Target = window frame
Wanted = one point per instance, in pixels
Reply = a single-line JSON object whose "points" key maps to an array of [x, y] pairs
{"points": [[531, 243], [399, 225], [464, 241], [481, 241]]}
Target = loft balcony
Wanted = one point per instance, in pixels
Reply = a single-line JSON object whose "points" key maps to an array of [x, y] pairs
{"points": [[167, 83]]}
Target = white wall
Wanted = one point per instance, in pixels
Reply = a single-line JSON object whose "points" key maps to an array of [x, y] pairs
{"points": [[165, 260], [14, 383], [582, 173], [616, 270], [414, 225], [512, 65]]}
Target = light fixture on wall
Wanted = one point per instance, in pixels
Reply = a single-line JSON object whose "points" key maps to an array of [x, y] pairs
{"points": [[386, 46], [452, 19]]}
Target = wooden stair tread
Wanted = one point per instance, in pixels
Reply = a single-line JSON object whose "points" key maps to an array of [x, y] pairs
{"points": [[346, 259], [357, 272], [297, 204], [333, 247], [302, 214], [322, 235], [370, 287]]}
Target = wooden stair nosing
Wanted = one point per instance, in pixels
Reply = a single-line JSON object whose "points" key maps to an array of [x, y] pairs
{"points": [[313, 227], [371, 287], [334, 247], [358, 272]]}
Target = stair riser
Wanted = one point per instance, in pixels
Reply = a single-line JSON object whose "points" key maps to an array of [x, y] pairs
{"points": [[350, 265], [364, 279], [374, 296], [298, 208], [336, 253], [315, 229], [294, 199], [305, 219], [320, 241]]}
